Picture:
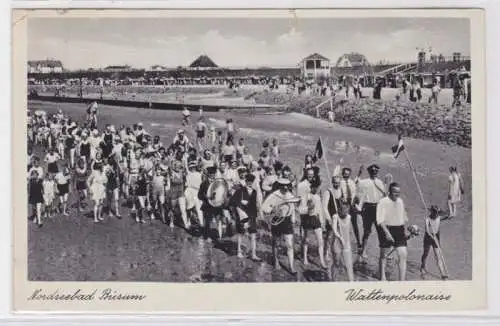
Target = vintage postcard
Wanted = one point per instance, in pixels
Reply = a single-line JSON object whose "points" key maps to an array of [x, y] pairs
{"points": [[249, 161]]}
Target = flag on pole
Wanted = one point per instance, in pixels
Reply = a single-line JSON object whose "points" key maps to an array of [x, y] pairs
{"points": [[318, 152], [400, 147]]}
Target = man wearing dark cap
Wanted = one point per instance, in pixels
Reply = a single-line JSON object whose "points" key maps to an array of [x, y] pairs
{"points": [[244, 202], [371, 191]]}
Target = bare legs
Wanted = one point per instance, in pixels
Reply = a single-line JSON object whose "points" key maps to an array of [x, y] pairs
{"points": [[98, 211], [289, 251], [319, 236], [402, 257]]}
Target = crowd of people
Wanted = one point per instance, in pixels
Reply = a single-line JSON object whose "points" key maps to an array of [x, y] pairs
{"points": [[213, 183]]}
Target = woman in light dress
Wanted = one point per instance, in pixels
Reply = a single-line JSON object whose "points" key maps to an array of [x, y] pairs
{"points": [[49, 194], [97, 185], [455, 191]]}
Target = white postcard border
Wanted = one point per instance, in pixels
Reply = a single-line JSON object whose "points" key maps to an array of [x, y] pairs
{"points": [[259, 298]]}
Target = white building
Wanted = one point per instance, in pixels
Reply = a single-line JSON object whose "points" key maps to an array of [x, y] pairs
{"points": [[315, 66]]}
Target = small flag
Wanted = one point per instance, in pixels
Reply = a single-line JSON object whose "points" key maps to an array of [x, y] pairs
{"points": [[318, 152], [397, 149]]}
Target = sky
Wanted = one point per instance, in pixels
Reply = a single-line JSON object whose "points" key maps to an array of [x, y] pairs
{"points": [[82, 43]]}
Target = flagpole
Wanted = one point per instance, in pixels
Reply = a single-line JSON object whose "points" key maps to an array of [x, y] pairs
{"points": [[326, 163], [413, 171], [400, 148], [341, 236], [440, 251], [329, 176]]}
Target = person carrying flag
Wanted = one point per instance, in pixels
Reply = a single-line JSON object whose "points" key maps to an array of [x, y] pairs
{"points": [[371, 191], [432, 239]]}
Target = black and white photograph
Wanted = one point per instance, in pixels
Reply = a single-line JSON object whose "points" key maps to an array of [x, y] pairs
{"points": [[249, 150]]}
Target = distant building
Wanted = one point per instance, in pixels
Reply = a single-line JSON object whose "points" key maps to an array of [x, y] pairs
{"points": [[203, 62], [352, 59], [315, 66], [118, 68], [45, 66], [158, 68]]}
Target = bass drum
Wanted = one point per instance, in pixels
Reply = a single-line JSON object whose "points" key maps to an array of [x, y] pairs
{"points": [[217, 193], [281, 210]]}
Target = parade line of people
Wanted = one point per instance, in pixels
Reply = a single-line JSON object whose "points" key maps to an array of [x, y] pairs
{"points": [[215, 181]]}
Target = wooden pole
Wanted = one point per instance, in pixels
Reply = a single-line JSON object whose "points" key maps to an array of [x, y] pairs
{"points": [[329, 176], [413, 171], [320, 104], [341, 236], [439, 251]]}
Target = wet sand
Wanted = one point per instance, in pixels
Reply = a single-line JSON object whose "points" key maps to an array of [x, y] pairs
{"points": [[75, 249]]}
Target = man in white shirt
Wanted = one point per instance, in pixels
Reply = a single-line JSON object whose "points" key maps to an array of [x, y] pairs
{"points": [[181, 140], [193, 183], [303, 191], [304, 188], [435, 92], [391, 218], [223, 173], [36, 167], [371, 191]]}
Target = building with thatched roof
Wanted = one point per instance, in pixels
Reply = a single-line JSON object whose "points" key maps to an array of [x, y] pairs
{"points": [[315, 66], [352, 59], [203, 62]]}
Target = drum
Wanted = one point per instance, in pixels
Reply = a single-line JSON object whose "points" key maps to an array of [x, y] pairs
{"points": [[217, 193], [281, 210], [280, 213]]}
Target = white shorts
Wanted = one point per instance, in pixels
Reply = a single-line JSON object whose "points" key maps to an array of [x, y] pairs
{"points": [[191, 196], [48, 199]]}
